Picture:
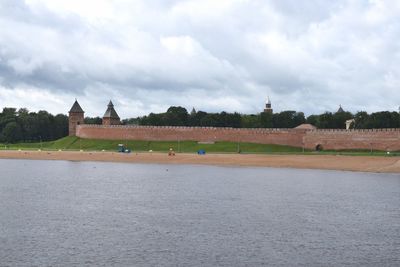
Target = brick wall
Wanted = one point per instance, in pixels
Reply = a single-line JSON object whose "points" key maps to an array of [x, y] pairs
{"points": [[377, 139], [290, 137], [382, 139]]}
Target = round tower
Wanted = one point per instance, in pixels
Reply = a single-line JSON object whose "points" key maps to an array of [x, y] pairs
{"points": [[76, 117]]}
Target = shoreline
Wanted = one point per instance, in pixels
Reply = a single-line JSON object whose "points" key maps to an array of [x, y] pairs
{"points": [[323, 162]]}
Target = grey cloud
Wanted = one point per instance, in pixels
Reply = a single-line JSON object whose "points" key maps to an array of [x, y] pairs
{"points": [[48, 76], [19, 12], [328, 52], [307, 11]]}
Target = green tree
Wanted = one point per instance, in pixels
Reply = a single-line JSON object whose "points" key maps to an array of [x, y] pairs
{"points": [[11, 133], [44, 123], [8, 115], [195, 118], [313, 119], [298, 119], [93, 120], [325, 121], [251, 121], [266, 120], [131, 121], [287, 119], [151, 119], [209, 120], [176, 116], [362, 120], [339, 119], [60, 126], [225, 119], [384, 119]]}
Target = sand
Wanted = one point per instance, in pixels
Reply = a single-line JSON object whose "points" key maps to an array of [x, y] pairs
{"points": [[326, 162]]}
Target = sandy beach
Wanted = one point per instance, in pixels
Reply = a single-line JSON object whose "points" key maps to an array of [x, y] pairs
{"points": [[327, 162]]}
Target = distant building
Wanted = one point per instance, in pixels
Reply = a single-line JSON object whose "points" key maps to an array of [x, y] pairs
{"points": [[268, 106], [306, 126], [110, 116], [340, 110], [76, 117]]}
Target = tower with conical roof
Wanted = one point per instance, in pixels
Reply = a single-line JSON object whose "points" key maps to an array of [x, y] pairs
{"points": [[268, 106], [76, 117], [110, 116]]}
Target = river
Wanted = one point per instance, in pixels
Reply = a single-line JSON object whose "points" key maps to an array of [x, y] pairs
{"points": [[63, 213]]}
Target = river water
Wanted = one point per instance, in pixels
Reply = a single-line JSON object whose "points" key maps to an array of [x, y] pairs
{"points": [[61, 213]]}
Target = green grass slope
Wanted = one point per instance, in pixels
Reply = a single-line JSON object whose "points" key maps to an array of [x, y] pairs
{"points": [[75, 143]]}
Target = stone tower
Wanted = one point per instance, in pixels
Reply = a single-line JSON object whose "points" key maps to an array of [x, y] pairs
{"points": [[268, 106], [76, 117], [111, 117]]}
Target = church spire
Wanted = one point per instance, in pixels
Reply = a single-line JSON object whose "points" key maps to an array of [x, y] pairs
{"points": [[340, 110], [268, 106]]}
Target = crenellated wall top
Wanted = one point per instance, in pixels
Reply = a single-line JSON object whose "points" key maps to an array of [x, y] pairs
{"points": [[239, 129], [187, 128], [355, 130]]}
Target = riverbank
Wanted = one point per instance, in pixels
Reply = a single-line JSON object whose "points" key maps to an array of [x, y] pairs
{"points": [[326, 162]]}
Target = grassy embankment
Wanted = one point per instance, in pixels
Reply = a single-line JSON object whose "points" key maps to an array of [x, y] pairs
{"points": [[74, 143]]}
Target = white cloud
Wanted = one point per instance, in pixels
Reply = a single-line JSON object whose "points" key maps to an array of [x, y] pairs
{"points": [[213, 55], [35, 99]]}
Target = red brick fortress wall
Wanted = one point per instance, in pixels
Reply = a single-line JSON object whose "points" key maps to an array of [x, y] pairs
{"points": [[377, 139], [289, 137], [335, 139]]}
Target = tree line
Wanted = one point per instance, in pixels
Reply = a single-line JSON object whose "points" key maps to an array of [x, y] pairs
{"points": [[179, 116], [25, 126]]}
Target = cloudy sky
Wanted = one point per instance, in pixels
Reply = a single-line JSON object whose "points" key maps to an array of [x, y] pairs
{"points": [[214, 55]]}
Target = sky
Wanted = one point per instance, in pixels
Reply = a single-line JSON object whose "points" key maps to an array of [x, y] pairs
{"points": [[213, 55]]}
